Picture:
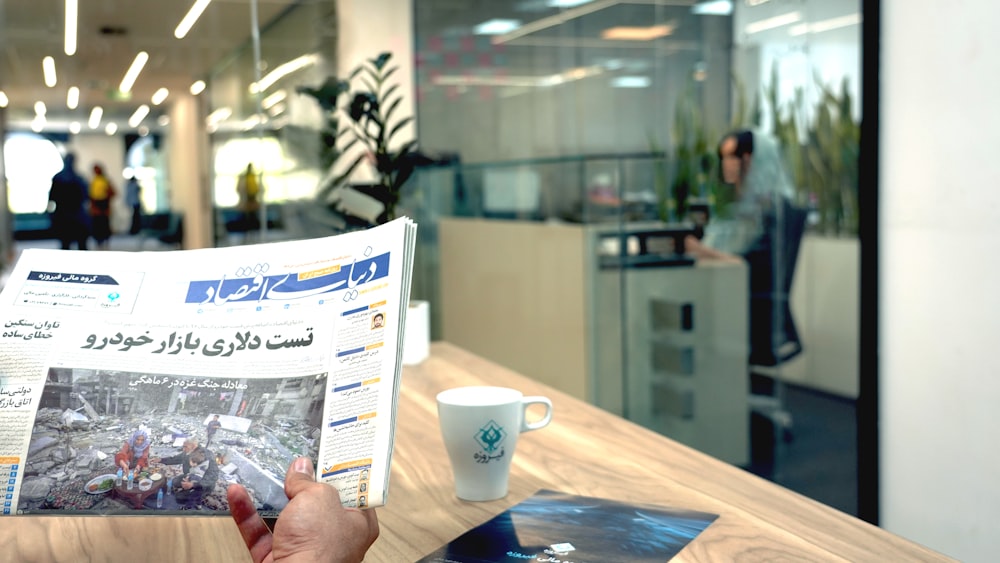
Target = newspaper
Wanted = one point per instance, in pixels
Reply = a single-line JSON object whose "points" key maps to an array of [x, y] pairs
{"points": [[246, 356]]}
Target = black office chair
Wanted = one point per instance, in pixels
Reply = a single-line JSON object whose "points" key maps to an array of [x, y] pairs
{"points": [[774, 339]]}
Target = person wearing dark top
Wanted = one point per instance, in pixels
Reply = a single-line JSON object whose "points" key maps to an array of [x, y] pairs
{"points": [[68, 201], [764, 232], [207, 483], [211, 429]]}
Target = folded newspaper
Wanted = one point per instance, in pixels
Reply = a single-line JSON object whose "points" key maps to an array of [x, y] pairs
{"points": [[148, 382]]}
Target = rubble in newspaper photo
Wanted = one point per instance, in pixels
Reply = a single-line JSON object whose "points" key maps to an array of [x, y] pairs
{"points": [[147, 383]]}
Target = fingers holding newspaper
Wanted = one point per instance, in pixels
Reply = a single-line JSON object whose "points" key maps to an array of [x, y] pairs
{"points": [[315, 526]]}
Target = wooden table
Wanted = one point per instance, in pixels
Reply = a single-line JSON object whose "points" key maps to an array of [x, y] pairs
{"points": [[583, 451]]}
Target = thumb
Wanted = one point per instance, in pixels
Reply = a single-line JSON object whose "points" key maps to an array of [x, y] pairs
{"points": [[300, 476]]}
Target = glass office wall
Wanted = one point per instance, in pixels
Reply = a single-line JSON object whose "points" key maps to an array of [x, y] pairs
{"points": [[256, 118], [604, 117]]}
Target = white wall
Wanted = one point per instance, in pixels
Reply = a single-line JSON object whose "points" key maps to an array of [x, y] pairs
{"points": [[367, 28], [939, 296]]}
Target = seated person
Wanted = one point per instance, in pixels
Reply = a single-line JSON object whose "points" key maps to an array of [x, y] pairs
{"points": [[191, 488], [210, 475], [764, 233], [134, 454], [190, 445], [752, 163]]}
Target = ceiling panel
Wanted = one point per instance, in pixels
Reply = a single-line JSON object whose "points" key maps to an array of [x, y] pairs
{"points": [[111, 33]]}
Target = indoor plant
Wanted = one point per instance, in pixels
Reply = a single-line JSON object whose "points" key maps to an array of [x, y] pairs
{"points": [[361, 125]]}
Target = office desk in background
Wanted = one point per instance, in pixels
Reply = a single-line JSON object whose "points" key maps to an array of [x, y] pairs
{"points": [[542, 301], [584, 450]]}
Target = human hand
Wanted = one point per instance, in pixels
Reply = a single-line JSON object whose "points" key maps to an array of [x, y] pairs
{"points": [[701, 251], [314, 526]]}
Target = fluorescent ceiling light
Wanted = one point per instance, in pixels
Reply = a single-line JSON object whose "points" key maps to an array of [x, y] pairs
{"points": [[219, 115], [70, 34], [277, 109], [825, 25], [192, 16], [631, 82], [49, 71], [566, 3], [554, 20], [197, 87], [638, 33], [713, 8], [111, 129], [3, 99], [74, 127], [549, 80], [95, 117], [133, 72], [251, 122], [159, 96], [40, 109], [771, 23], [282, 71], [274, 98], [38, 123], [496, 27], [140, 113], [72, 97]]}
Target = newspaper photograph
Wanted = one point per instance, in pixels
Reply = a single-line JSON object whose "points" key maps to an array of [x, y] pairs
{"points": [[148, 382]]}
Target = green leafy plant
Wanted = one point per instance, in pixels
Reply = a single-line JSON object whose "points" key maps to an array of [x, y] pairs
{"points": [[821, 153], [693, 156], [361, 124]]}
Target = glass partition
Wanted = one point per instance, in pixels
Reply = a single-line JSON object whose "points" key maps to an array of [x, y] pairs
{"points": [[589, 133], [599, 123]]}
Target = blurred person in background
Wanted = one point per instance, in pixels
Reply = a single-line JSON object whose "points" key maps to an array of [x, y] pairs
{"points": [[133, 193], [68, 200], [101, 194]]}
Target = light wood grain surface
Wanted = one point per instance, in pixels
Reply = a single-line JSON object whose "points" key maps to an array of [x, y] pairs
{"points": [[583, 451]]}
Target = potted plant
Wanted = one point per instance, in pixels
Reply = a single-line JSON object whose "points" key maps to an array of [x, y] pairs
{"points": [[361, 123]]}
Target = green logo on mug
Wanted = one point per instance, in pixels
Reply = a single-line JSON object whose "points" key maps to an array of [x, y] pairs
{"points": [[490, 436]]}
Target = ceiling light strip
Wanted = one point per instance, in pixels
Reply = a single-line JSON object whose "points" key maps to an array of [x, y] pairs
{"points": [[190, 18], [69, 42], [49, 71], [826, 25], [159, 96], [554, 20], [133, 72], [284, 70], [771, 23], [140, 113], [95, 117], [72, 97]]}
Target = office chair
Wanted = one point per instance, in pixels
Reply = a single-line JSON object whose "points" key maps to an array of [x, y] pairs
{"points": [[774, 339]]}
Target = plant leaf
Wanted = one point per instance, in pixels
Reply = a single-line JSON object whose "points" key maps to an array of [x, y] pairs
{"points": [[392, 108], [395, 129], [388, 73], [380, 61]]}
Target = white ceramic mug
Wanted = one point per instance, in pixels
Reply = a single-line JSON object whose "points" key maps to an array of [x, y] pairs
{"points": [[480, 426]]}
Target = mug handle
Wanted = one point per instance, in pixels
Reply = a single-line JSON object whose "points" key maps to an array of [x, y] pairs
{"points": [[546, 418]]}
